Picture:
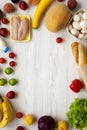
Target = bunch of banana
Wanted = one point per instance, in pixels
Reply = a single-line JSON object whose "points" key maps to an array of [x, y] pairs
{"points": [[6, 111]]}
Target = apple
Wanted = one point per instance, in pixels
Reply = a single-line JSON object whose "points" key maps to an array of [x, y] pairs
{"points": [[33, 2]]}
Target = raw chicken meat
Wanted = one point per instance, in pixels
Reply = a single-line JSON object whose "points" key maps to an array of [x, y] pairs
{"points": [[15, 27], [23, 29]]}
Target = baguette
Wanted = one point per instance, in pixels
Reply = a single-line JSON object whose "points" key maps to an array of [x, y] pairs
{"points": [[79, 54]]}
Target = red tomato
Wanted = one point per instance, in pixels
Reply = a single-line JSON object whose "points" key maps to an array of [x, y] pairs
{"points": [[4, 20], [11, 55], [19, 115], [2, 60], [59, 40], [74, 88], [12, 63], [78, 83]]}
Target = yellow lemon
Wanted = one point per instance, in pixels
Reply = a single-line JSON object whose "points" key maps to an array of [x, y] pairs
{"points": [[29, 119]]}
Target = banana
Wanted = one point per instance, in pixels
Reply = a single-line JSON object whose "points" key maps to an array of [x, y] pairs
{"points": [[1, 109], [43, 5], [6, 111], [10, 107]]}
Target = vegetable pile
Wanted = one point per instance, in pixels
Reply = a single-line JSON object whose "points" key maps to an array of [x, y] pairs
{"points": [[77, 114]]}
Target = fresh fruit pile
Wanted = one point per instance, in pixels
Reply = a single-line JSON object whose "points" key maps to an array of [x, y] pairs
{"points": [[45, 122]]}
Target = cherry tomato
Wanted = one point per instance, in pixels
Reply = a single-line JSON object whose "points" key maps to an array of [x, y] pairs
{"points": [[4, 20], [11, 55], [74, 88], [2, 60], [19, 115], [59, 40], [12, 63], [23, 5]]}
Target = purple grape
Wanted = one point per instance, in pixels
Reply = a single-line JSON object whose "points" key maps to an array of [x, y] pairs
{"points": [[15, 1], [46, 123]]}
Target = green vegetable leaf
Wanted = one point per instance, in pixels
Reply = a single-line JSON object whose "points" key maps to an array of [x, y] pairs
{"points": [[77, 114]]}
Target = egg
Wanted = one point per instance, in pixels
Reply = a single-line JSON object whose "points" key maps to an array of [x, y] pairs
{"points": [[75, 32], [76, 18], [83, 24], [85, 15], [76, 25]]}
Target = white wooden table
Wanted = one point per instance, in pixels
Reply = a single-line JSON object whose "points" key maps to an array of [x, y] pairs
{"points": [[44, 72]]}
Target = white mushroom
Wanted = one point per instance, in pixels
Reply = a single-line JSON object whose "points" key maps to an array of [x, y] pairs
{"points": [[75, 32], [85, 15], [81, 36], [84, 31], [76, 18], [80, 15], [83, 24], [76, 25]]}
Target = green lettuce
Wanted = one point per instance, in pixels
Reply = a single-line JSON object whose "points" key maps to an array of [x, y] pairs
{"points": [[77, 114]]}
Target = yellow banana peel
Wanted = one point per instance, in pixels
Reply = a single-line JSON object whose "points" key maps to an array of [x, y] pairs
{"points": [[40, 10], [0, 109], [6, 111], [10, 107]]}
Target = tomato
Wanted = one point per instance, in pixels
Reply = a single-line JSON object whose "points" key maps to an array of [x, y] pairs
{"points": [[11, 55], [59, 40], [76, 85], [12, 63], [74, 88], [19, 115], [78, 82], [2, 60], [4, 20]]}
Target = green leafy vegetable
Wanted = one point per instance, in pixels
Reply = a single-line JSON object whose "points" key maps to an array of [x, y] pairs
{"points": [[77, 114]]}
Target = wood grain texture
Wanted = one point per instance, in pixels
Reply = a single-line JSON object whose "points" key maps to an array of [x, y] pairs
{"points": [[44, 71]]}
